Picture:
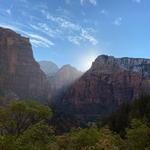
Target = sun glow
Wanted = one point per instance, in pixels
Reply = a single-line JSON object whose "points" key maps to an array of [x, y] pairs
{"points": [[87, 60]]}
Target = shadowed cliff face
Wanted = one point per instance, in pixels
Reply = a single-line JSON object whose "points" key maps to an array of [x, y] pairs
{"points": [[62, 80], [108, 83], [20, 75], [65, 76]]}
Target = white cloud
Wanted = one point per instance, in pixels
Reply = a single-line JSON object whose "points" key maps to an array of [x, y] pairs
{"points": [[14, 28], [118, 21], [45, 29], [93, 2], [73, 32], [137, 1], [55, 27], [37, 39], [63, 22], [78, 39], [75, 39], [9, 27], [37, 43], [88, 37]]}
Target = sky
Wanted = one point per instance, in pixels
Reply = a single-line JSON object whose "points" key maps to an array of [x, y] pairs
{"points": [[77, 31]]}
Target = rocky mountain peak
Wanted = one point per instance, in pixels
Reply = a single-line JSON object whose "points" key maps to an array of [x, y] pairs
{"points": [[108, 83], [104, 58], [110, 64], [49, 68], [68, 69], [104, 64], [8, 32], [65, 76], [20, 74]]}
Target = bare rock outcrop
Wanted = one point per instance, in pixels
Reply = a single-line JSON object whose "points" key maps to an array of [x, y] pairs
{"points": [[108, 83], [20, 74]]}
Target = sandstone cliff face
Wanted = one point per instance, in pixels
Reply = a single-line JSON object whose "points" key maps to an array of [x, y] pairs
{"points": [[138, 65], [20, 75], [108, 83]]}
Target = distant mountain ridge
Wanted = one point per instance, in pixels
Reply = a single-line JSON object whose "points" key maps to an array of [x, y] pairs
{"points": [[60, 78], [108, 83], [65, 76], [48, 67]]}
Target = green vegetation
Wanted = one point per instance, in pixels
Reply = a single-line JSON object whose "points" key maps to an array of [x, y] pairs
{"points": [[119, 120], [26, 125]]}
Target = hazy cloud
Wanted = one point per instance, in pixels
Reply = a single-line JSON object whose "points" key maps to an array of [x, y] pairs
{"points": [[52, 27], [118, 21], [37, 38], [73, 32], [75, 39], [93, 2], [88, 37]]}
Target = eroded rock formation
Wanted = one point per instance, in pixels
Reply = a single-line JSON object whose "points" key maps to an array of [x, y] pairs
{"points": [[108, 83], [20, 74]]}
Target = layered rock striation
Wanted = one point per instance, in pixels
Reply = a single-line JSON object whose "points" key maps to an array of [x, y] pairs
{"points": [[20, 74], [108, 83]]}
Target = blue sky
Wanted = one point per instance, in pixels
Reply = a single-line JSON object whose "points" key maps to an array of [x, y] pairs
{"points": [[77, 31]]}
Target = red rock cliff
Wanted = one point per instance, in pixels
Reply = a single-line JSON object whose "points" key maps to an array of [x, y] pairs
{"points": [[20, 74], [108, 83]]}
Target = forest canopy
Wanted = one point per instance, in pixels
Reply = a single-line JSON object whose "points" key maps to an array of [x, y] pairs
{"points": [[27, 125]]}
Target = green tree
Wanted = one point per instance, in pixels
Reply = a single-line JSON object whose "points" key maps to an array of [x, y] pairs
{"points": [[36, 137], [16, 117], [77, 139], [24, 126], [88, 137], [8, 143], [109, 141], [138, 135]]}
